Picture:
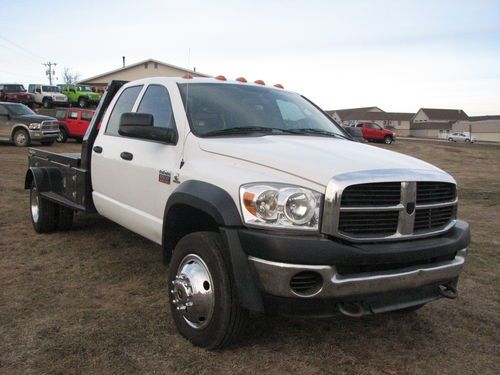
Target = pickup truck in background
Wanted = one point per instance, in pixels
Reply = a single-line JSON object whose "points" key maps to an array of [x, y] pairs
{"points": [[73, 123], [20, 125], [47, 95], [260, 203], [80, 95], [375, 133], [15, 93]]}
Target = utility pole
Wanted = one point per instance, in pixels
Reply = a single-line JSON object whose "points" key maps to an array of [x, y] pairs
{"points": [[50, 72]]}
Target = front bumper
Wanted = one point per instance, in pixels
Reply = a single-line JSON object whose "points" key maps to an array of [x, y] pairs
{"points": [[275, 278], [381, 276], [38, 135]]}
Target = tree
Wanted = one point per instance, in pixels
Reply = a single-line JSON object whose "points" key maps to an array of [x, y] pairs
{"points": [[68, 77]]}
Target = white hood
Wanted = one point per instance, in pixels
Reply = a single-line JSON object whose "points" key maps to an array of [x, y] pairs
{"points": [[316, 159]]}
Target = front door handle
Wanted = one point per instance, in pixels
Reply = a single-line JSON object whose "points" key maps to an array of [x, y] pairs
{"points": [[97, 149], [126, 156]]}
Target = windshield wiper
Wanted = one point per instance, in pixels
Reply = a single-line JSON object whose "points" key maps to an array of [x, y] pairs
{"points": [[245, 130], [325, 133]]}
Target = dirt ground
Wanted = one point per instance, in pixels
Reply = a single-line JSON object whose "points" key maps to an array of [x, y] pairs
{"points": [[93, 300]]}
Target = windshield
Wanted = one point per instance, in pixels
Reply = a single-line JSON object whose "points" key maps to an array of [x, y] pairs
{"points": [[84, 88], [19, 110], [50, 89], [218, 108], [14, 88]]}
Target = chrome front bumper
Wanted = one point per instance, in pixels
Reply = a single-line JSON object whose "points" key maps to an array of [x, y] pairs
{"points": [[275, 278]]}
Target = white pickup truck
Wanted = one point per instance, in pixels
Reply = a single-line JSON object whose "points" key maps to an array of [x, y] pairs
{"points": [[261, 202]]}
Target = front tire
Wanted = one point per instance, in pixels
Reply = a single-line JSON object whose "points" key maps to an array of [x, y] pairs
{"points": [[202, 293], [47, 104], [43, 212], [63, 136], [387, 139], [450, 139], [467, 140], [21, 138]]}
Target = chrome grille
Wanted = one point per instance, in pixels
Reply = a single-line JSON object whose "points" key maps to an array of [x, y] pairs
{"points": [[397, 206], [378, 194], [49, 126]]}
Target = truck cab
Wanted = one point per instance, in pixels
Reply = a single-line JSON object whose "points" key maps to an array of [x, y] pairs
{"points": [[376, 133], [15, 93], [47, 95], [260, 202]]}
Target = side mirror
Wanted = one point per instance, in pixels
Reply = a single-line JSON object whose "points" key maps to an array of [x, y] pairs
{"points": [[141, 125]]}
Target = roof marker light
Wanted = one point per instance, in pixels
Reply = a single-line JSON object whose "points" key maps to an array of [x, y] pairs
{"points": [[279, 85], [241, 79], [260, 82], [221, 78], [187, 76]]}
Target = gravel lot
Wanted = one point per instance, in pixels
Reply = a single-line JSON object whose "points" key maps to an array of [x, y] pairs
{"points": [[93, 300]]}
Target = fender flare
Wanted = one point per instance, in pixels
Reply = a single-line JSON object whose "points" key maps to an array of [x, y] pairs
{"points": [[208, 198], [15, 127], [45, 179]]}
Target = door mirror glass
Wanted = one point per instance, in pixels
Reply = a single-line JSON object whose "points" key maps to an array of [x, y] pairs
{"points": [[141, 125]]}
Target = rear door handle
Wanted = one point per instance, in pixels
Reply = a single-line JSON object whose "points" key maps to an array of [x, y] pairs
{"points": [[97, 149], [126, 156]]}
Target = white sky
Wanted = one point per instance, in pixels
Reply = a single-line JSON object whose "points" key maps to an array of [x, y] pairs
{"points": [[398, 55]]}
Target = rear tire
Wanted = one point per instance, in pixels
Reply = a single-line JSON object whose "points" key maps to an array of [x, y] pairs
{"points": [[43, 212], [387, 139], [47, 104], [213, 318], [63, 136], [21, 138], [467, 140], [450, 139]]}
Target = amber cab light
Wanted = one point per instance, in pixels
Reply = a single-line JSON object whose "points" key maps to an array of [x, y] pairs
{"points": [[187, 76], [241, 79], [221, 78], [279, 85], [260, 82]]}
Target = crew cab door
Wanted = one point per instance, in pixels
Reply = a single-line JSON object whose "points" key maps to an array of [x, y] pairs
{"points": [[5, 123], [132, 178]]}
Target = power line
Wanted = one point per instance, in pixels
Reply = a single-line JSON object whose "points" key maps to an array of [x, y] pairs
{"points": [[22, 48], [20, 53]]}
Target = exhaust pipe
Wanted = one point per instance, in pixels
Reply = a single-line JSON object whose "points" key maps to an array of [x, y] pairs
{"points": [[448, 291], [352, 309]]}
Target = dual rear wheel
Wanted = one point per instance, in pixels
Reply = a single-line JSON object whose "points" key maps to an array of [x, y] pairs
{"points": [[48, 216]]}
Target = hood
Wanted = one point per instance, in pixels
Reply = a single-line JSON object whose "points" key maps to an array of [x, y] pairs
{"points": [[35, 118], [316, 159]]}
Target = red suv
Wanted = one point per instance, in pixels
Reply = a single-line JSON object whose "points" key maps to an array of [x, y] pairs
{"points": [[73, 123], [376, 133]]}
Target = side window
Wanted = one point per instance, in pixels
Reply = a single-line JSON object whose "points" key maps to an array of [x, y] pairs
{"points": [[124, 104], [86, 116], [156, 101], [73, 115], [61, 114], [31, 88]]}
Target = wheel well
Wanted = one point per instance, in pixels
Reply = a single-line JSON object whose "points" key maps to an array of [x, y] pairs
{"points": [[181, 220], [15, 129]]}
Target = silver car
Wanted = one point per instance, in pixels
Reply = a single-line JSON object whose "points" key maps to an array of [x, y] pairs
{"points": [[461, 137]]}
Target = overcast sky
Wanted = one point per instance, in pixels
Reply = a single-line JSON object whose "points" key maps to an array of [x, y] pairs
{"points": [[398, 55]]}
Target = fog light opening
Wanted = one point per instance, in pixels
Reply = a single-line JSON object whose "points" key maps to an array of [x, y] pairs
{"points": [[306, 283]]}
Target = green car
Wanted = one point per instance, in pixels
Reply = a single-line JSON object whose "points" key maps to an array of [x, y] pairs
{"points": [[82, 95]]}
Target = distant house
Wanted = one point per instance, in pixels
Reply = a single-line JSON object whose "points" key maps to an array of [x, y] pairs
{"points": [[484, 128], [142, 69], [397, 121], [435, 122]]}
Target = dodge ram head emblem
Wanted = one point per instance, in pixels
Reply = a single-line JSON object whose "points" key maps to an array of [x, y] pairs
{"points": [[410, 208]]}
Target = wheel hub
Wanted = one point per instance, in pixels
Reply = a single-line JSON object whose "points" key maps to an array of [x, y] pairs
{"points": [[35, 207], [192, 291]]}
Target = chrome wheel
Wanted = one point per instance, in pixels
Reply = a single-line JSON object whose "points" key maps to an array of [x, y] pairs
{"points": [[35, 205], [192, 291], [21, 139]]}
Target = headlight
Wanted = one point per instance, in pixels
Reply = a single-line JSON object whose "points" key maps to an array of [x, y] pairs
{"points": [[280, 206], [34, 126]]}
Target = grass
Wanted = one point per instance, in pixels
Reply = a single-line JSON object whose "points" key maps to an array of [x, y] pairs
{"points": [[93, 300]]}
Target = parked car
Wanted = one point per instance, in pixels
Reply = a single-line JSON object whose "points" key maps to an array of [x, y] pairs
{"points": [[15, 93], [81, 95], [47, 95], [73, 123], [375, 133], [20, 125], [260, 202], [461, 137]]}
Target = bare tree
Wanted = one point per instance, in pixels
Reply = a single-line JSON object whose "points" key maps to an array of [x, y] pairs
{"points": [[69, 77]]}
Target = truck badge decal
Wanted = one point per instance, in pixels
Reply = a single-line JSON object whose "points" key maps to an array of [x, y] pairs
{"points": [[410, 207], [164, 177], [176, 178]]}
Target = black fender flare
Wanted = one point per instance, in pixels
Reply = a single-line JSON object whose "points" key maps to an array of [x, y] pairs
{"points": [[45, 179]]}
